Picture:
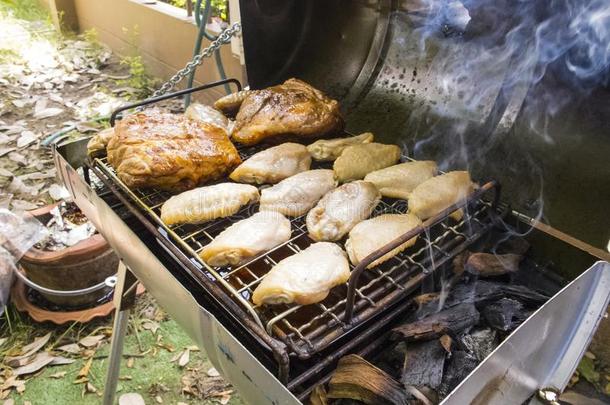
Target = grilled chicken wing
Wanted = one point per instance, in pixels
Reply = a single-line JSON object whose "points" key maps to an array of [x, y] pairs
{"points": [[436, 194], [327, 150], [293, 109], [205, 113], [246, 239], [205, 203], [400, 180], [230, 103], [273, 164], [100, 140], [304, 278], [169, 151], [374, 233], [340, 209], [358, 160], [296, 195]]}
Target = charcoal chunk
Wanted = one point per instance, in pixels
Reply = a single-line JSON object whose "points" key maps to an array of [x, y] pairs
{"points": [[459, 366], [480, 342], [490, 265], [503, 315], [424, 364], [452, 320]]}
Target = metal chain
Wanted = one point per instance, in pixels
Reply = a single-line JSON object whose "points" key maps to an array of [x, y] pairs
{"points": [[224, 38]]}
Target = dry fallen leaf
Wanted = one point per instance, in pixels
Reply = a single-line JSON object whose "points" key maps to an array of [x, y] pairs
{"points": [[59, 374], [26, 138], [224, 400], [38, 362], [150, 325], [2, 340], [84, 371], [59, 360], [184, 358], [70, 348], [33, 347], [90, 388], [9, 401], [4, 151], [131, 398], [159, 399], [130, 362], [91, 341], [213, 372]]}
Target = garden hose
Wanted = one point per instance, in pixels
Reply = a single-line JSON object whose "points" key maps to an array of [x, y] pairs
{"points": [[200, 19]]}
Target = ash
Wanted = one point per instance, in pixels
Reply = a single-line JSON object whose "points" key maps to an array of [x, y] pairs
{"points": [[67, 226]]}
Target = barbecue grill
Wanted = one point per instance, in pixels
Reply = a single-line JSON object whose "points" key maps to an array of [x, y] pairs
{"points": [[279, 354]]}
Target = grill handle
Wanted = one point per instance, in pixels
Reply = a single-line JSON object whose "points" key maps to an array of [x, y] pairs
{"points": [[153, 100], [360, 268]]}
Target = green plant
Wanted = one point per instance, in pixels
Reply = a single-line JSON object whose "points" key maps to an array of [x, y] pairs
{"points": [[220, 8], [138, 78], [30, 10]]}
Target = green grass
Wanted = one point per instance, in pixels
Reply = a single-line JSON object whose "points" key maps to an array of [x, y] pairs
{"points": [[146, 372]]}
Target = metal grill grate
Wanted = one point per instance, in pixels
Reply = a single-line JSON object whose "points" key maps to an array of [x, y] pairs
{"points": [[308, 329]]}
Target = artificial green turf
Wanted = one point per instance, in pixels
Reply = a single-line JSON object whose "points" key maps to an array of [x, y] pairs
{"points": [[146, 371]]}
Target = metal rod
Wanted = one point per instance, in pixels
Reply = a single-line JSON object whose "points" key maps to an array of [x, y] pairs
{"points": [[359, 269], [119, 329], [153, 100], [107, 283]]}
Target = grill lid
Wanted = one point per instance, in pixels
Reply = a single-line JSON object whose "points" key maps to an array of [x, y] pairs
{"points": [[468, 84]]}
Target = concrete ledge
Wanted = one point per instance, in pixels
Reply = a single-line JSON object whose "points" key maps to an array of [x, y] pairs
{"points": [[162, 34]]}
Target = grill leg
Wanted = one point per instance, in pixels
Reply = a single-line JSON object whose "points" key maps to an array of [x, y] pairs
{"points": [[124, 298]]}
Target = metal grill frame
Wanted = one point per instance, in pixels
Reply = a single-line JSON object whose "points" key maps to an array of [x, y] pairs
{"points": [[338, 321]]}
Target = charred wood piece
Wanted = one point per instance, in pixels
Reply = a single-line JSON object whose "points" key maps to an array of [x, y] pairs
{"points": [[458, 367], [504, 315], [451, 320], [424, 364], [356, 378], [524, 294], [490, 265], [481, 293], [480, 342]]}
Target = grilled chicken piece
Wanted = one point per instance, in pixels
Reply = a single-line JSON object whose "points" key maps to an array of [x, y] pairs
{"points": [[341, 209], [169, 151], [205, 113], [359, 160], [273, 164], [247, 238], [375, 233], [230, 103], [304, 278], [438, 193], [206, 203], [400, 180], [292, 109], [296, 195], [99, 141], [327, 150]]}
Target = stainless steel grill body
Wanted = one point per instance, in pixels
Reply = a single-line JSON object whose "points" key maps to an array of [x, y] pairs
{"points": [[359, 52], [248, 360]]}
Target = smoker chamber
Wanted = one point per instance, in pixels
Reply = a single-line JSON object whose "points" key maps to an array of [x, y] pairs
{"points": [[354, 50]]}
